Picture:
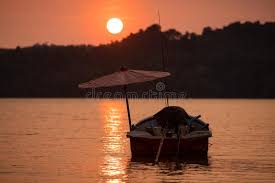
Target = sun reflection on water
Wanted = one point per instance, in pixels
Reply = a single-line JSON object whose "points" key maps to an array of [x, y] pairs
{"points": [[114, 164]]}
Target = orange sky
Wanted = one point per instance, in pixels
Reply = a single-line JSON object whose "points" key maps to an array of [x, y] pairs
{"points": [[26, 22]]}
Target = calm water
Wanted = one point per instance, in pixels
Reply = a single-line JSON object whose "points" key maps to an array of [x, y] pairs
{"points": [[74, 140]]}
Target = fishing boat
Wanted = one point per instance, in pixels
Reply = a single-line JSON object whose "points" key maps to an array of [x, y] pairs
{"points": [[171, 131]]}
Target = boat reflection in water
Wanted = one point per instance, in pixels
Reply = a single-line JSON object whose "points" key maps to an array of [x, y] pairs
{"points": [[113, 168], [167, 169], [178, 163]]}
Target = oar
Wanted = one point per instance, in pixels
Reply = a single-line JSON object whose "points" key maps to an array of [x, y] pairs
{"points": [[159, 149]]}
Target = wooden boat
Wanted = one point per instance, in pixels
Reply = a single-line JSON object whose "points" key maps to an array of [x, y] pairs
{"points": [[181, 134]]}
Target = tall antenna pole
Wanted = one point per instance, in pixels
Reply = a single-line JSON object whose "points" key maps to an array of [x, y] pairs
{"points": [[163, 59], [162, 46]]}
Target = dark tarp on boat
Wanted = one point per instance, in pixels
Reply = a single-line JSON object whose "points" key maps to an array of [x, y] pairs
{"points": [[171, 117]]}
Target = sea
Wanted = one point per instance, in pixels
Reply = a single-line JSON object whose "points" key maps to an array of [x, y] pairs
{"points": [[84, 141]]}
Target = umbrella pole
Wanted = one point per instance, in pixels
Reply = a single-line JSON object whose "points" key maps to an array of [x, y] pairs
{"points": [[128, 108]]}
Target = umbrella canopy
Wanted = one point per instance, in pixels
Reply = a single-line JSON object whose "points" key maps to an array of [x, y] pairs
{"points": [[124, 77]]}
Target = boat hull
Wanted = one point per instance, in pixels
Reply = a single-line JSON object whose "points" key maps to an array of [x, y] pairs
{"points": [[141, 147]]}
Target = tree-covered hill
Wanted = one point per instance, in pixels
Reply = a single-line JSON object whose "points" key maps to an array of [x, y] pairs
{"points": [[236, 61]]}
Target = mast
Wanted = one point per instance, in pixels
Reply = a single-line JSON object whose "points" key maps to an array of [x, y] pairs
{"points": [[162, 39]]}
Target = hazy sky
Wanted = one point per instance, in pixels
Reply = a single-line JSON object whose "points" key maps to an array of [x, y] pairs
{"points": [[26, 22]]}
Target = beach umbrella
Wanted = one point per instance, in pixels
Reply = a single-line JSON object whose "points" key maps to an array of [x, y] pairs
{"points": [[123, 78]]}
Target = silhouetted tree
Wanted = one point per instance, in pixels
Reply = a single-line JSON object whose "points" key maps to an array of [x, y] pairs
{"points": [[172, 34]]}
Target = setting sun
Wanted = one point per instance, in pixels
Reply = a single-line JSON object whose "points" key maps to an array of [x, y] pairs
{"points": [[114, 25]]}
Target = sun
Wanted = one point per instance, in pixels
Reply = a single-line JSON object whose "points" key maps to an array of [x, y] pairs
{"points": [[114, 25]]}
